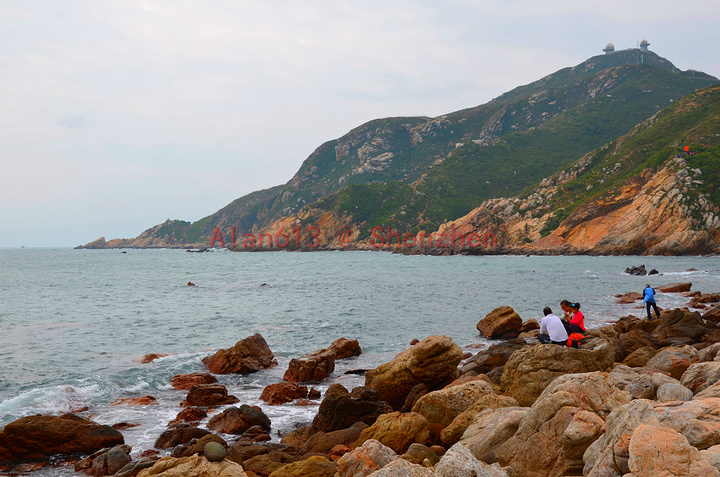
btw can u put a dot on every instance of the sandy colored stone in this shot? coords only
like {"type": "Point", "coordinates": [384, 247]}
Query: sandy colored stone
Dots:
{"type": "Point", "coordinates": [442, 406]}
{"type": "Point", "coordinates": [398, 430]}
{"type": "Point", "coordinates": [195, 466]}
{"type": "Point", "coordinates": [452, 433]}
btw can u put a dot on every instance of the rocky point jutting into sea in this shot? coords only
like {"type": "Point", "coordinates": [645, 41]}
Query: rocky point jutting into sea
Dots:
{"type": "Point", "coordinates": [615, 155]}
{"type": "Point", "coordinates": [639, 398]}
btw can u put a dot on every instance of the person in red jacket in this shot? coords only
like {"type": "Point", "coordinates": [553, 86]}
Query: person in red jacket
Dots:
{"type": "Point", "coordinates": [577, 317]}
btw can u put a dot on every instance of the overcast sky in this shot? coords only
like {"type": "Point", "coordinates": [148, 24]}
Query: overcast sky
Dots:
{"type": "Point", "coordinates": [116, 115]}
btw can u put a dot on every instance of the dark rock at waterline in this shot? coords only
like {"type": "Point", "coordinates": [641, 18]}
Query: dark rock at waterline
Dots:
{"type": "Point", "coordinates": [41, 436]}
{"type": "Point", "coordinates": [637, 271]}
{"type": "Point", "coordinates": [179, 434]}
{"type": "Point", "coordinates": [237, 420]}
{"type": "Point", "coordinates": [105, 461]}
{"type": "Point", "coordinates": [248, 355]}
{"type": "Point", "coordinates": [318, 365]}
{"type": "Point", "coordinates": [653, 272]}
{"type": "Point", "coordinates": [341, 409]}
{"type": "Point", "coordinates": [204, 395]}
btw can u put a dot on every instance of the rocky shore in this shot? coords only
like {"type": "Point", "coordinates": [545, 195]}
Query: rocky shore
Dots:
{"type": "Point", "coordinates": [639, 398]}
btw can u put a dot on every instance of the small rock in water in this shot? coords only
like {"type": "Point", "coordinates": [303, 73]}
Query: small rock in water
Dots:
{"type": "Point", "coordinates": [214, 452]}
{"type": "Point", "coordinates": [191, 284]}
{"type": "Point", "coordinates": [638, 271]}
{"type": "Point", "coordinates": [653, 272]}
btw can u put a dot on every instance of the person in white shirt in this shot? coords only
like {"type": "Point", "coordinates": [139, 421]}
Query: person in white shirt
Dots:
{"type": "Point", "coordinates": [552, 329]}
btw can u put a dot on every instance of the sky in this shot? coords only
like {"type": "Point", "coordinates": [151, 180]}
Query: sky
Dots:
{"type": "Point", "coordinates": [116, 115]}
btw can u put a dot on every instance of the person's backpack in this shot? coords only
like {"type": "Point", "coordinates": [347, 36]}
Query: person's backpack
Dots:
{"type": "Point", "coordinates": [574, 340]}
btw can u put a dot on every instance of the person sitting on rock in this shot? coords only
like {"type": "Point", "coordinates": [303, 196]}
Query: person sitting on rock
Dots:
{"type": "Point", "coordinates": [577, 320]}
{"type": "Point", "coordinates": [649, 300]}
{"type": "Point", "coordinates": [552, 329]}
{"type": "Point", "coordinates": [567, 321]}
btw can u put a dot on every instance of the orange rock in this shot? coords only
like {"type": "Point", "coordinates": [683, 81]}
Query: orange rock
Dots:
{"type": "Point", "coordinates": [152, 357]}
{"type": "Point", "coordinates": [138, 401]}
{"type": "Point", "coordinates": [186, 381]}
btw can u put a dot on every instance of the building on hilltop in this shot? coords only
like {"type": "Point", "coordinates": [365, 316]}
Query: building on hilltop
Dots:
{"type": "Point", "coordinates": [644, 45]}
{"type": "Point", "coordinates": [609, 48]}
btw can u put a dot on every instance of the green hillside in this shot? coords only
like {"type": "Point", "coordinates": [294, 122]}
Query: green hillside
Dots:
{"type": "Point", "coordinates": [418, 172]}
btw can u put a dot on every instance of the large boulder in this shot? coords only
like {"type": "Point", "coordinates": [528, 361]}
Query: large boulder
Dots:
{"type": "Point", "coordinates": [634, 340]}
{"type": "Point", "coordinates": [205, 395]}
{"type": "Point", "coordinates": [529, 370]}
{"type": "Point", "coordinates": [365, 459]}
{"type": "Point", "coordinates": [501, 323]}
{"type": "Point", "coordinates": [105, 461]}
{"type": "Point", "coordinates": [698, 421]}
{"type": "Point", "coordinates": [178, 434]}
{"type": "Point", "coordinates": [458, 461]}
{"type": "Point", "coordinates": [341, 409]}
{"type": "Point", "coordinates": [442, 406]}
{"type": "Point", "coordinates": [668, 357]}
{"type": "Point", "coordinates": [280, 393]}
{"type": "Point", "coordinates": [675, 287]}
{"type": "Point", "coordinates": [195, 466]}
{"type": "Point", "coordinates": [323, 442]}
{"type": "Point", "coordinates": [673, 392]}
{"type": "Point", "coordinates": [249, 355]}
{"type": "Point", "coordinates": [452, 433]}
{"type": "Point", "coordinates": [680, 323]}
{"type": "Point", "coordinates": [700, 376]}
{"type": "Point", "coordinates": [432, 362]}
{"type": "Point", "coordinates": [640, 357]}
{"type": "Point", "coordinates": [398, 430]}
{"type": "Point", "coordinates": [563, 422]}
{"type": "Point", "coordinates": [489, 359]}
{"type": "Point", "coordinates": [318, 365]}
{"type": "Point", "coordinates": [661, 452]}
{"type": "Point", "coordinates": [236, 420]}
{"type": "Point", "coordinates": [491, 429]}
{"type": "Point", "coordinates": [41, 436]}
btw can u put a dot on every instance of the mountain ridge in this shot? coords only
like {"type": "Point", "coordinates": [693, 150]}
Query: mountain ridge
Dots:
{"type": "Point", "coordinates": [391, 160]}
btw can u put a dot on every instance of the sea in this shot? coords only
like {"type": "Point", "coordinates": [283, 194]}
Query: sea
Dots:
{"type": "Point", "coordinates": [75, 324]}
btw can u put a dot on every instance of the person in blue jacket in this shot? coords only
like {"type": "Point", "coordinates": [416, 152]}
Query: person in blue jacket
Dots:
{"type": "Point", "coordinates": [649, 300]}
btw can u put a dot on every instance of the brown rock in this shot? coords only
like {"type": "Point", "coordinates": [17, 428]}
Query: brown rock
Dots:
{"type": "Point", "coordinates": [179, 434]}
{"type": "Point", "coordinates": [345, 348]}
{"type": "Point", "coordinates": [631, 297]}
{"type": "Point", "coordinates": [318, 365]}
{"type": "Point", "coordinates": [150, 357]}
{"type": "Point", "coordinates": [189, 414]}
{"type": "Point", "coordinates": [105, 461]}
{"type": "Point", "coordinates": [39, 436]}
{"type": "Point", "coordinates": [255, 434]}
{"type": "Point", "coordinates": [679, 323]}
{"type": "Point", "coordinates": [204, 395]}
{"type": "Point", "coordinates": [338, 451]}
{"type": "Point", "coordinates": [659, 451]}
{"type": "Point", "coordinates": [324, 442]}
{"type": "Point", "coordinates": [234, 420]}
{"type": "Point", "coordinates": [281, 393]}
{"type": "Point", "coordinates": [531, 369]}
{"type": "Point", "coordinates": [433, 362]}
{"type": "Point", "coordinates": [674, 288]}
{"type": "Point", "coordinates": [704, 298]}
{"type": "Point", "coordinates": [313, 394]}
{"type": "Point", "coordinates": [138, 401]}
{"type": "Point", "coordinates": [340, 409]}
{"type": "Point", "coordinates": [197, 446]}
{"type": "Point", "coordinates": [489, 359]}
{"type": "Point", "coordinates": [315, 466]}
{"type": "Point", "coordinates": [365, 459]}
{"type": "Point", "coordinates": [442, 406]}
{"type": "Point", "coordinates": [502, 322]}
{"type": "Point", "coordinates": [120, 426]}
{"type": "Point", "coordinates": [298, 437]}
{"type": "Point", "coordinates": [249, 355]}
{"type": "Point", "coordinates": [713, 314]}
{"type": "Point", "coordinates": [452, 433]}
{"type": "Point", "coordinates": [397, 431]}
{"type": "Point", "coordinates": [185, 381]}
{"type": "Point", "coordinates": [640, 357]}
{"type": "Point", "coordinates": [266, 464]}
{"type": "Point", "coordinates": [561, 425]}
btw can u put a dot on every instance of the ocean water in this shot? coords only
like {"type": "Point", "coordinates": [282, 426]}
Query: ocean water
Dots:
{"type": "Point", "coordinates": [75, 323]}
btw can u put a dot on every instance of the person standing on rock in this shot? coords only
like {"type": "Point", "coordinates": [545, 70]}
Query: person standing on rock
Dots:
{"type": "Point", "coordinates": [649, 300]}
{"type": "Point", "coordinates": [552, 329]}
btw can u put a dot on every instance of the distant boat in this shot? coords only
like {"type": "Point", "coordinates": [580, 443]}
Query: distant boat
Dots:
{"type": "Point", "coordinates": [22, 246]}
